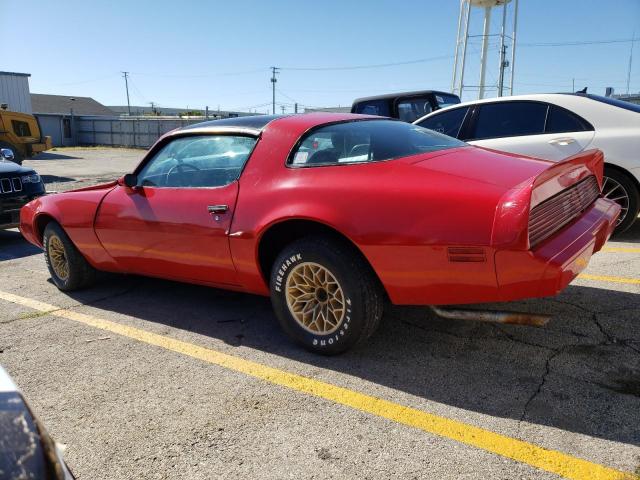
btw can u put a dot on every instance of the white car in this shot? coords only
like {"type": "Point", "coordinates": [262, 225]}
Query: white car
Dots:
{"type": "Point", "coordinates": [555, 126]}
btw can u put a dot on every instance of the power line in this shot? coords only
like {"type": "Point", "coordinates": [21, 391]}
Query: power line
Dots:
{"type": "Point", "coordinates": [375, 65]}
{"type": "Point", "coordinates": [203, 75]}
{"type": "Point", "coordinates": [584, 42]}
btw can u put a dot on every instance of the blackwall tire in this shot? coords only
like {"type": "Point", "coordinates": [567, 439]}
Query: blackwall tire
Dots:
{"type": "Point", "coordinates": [68, 268]}
{"type": "Point", "coordinates": [617, 184]}
{"type": "Point", "coordinates": [325, 295]}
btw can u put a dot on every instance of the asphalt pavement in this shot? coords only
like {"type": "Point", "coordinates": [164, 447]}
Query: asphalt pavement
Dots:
{"type": "Point", "coordinates": [149, 379]}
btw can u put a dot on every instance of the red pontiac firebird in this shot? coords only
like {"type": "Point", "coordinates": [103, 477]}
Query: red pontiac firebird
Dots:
{"type": "Point", "coordinates": [331, 215]}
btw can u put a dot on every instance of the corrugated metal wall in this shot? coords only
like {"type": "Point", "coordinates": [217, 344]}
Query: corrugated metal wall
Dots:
{"type": "Point", "coordinates": [14, 91]}
{"type": "Point", "coordinates": [127, 132]}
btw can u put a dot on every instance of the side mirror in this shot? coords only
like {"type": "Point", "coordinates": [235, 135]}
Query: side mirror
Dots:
{"type": "Point", "coordinates": [130, 180]}
{"type": "Point", "coordinates": [7, 154]}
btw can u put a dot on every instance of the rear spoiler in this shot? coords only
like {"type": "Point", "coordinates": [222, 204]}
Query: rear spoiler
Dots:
{"type": "Point", "coordinates": [567, 172]}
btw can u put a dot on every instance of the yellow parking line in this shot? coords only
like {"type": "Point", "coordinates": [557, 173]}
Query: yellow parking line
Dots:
{"type": "Point", "coordinates": [607, 278]}
{"type": "Point", "coordinates": [550, 460]}
{"type": "Point", "coordinates": [620, 250]}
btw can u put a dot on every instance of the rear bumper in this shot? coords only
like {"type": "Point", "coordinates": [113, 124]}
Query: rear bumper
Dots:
{"type": "Point", "coordinates": [549, 268]}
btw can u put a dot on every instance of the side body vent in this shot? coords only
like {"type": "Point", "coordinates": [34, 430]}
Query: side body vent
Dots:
{"type": "Point", "coordinates": [466, 254]}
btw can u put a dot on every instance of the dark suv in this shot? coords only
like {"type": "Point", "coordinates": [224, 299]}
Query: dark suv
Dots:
{"type": "Point", "coordinates": [406, 106]}
{"type": "Point", "coordinates": [18, 185]}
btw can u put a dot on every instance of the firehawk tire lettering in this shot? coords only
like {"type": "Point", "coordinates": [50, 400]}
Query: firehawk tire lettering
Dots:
{"type": "Point", "coordinates": [347, 272]}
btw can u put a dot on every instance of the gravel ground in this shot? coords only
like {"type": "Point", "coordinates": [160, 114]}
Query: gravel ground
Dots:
{"type": "Point", "coordinates": [126, 409]}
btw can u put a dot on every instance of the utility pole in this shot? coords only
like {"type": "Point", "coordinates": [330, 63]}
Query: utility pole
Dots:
{"type": "Point", "coordinates": [274, 70]}
{"type": "Point", "coordinates": [295, 110]}
{"type": "Point", "coordinates": [503, 51]}
{"type": "Point", "coordinates": [633, 40]}
{"type": "Point", "coordinates": [282, 107]}
{"type": "Point", "coordinates": [126, 85]}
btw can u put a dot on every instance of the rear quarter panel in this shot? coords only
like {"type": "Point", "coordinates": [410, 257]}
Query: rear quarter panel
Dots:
{"type": "Point", "coordinates": [400, 216]}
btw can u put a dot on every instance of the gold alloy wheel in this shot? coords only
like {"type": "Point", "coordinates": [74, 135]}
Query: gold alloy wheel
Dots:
{"type": "Point", "coordinates": [58, 257]}
{"type": "Point", "coordinates": [315, 298]}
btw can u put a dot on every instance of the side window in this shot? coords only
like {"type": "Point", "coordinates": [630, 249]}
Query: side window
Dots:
{"type": "Point", "coordinates": [197, 161]}
{"type": "Point", "coordinates": [21, 129]}
{"type": "Point", "coordinates": [373, 107]}
{"type": "Point", "coordinates": [409, 110]}
{"type": "Point", "coordinates": [447, 122]}
{"type": "Point", "coordinates": [560, 120]}
{"type": "Point", "coordinates": [509, 119]}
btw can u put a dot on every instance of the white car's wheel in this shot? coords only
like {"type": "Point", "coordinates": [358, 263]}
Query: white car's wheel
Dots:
{"type": "Point", "coordinates": [621, 189]}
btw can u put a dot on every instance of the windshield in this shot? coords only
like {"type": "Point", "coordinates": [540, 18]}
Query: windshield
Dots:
{"type": "Point", "coordinates": [367, 141]}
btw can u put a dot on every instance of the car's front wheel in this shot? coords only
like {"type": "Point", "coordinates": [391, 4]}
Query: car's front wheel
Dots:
{"type": "Point", "coordinates": [620, 188]}
{"type": "Point", "coordinates": [68, 268]}
{"type": "Point", "coordinates": [325, 295]}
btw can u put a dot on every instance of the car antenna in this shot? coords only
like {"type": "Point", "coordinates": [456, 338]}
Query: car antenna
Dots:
{"type": "Point", "coordinates": [584, 90]}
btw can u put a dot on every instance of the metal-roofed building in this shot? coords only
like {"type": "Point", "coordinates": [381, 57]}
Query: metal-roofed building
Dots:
{"type": "Point", "coordinates": [14, 92]}
{"type": "Point", "coordinates": [59, 115]}
{"type": "Point", "coordinates": [67, 105]}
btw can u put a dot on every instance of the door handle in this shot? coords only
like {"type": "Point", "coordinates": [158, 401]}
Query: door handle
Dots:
{"type": "Point", "coordinates": [217, 209]}
{"type": "Point", "coordinates": [562, 141]}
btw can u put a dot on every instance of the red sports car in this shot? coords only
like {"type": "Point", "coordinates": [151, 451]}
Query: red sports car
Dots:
{"type": "Point", "coordinates": [332, 215]}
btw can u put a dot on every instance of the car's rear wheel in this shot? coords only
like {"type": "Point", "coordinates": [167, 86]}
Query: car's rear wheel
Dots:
{"type": "Point", "coordinates": [620, 188]}
{"type": "Point", "coordinates": [68, 268]}
{"type": "Point", "coordinates": [325, 295]}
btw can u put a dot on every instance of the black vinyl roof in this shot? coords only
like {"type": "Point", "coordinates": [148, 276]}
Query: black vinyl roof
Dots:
{"type": "Point", "coordinates": [252, 121]}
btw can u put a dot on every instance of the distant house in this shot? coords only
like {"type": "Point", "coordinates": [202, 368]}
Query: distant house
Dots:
{"type": "Point", "coordinates": [56, 115]}
{"type": "Point", "coordinates": [65, 105]}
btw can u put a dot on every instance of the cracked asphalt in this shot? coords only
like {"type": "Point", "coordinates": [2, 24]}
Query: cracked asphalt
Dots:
{"type": "Point", "coordinates": [126, 409]}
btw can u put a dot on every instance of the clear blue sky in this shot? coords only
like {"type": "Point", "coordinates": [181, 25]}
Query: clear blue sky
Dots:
{"type": "Point", "coordinates": [218, 53]}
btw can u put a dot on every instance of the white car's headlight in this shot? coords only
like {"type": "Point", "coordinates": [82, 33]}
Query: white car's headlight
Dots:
{"type": "Point", "coordinates": [33, 178]}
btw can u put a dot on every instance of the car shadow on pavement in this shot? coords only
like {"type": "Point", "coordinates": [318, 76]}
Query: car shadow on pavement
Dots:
{"type": "Point", "coordinates": [56, 179]}
{"type": "Point", "coordinates": [631, 236]}
{"type": "Point", "coordinates": [51, 155]}
{"type": "Point", "coordinates": [580, 373]}
{"type": "Point", "coordinates": [13, 245]}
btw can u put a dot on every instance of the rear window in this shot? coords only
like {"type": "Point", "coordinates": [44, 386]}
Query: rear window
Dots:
{"type": "Point", "coordinates": [366, 141]}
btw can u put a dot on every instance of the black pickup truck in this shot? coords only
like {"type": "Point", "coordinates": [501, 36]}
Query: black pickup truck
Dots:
{"type": "Point", "coordinates": [406, 106]}
{"type": "Point", "coordinates": [18, 185]}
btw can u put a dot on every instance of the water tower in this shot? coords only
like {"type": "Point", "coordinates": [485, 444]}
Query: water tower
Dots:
{"type": "Point", "coordinates": [497, 40]}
